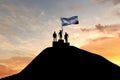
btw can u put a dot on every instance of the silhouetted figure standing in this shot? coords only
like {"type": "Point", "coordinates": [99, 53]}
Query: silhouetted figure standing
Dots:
{"type": "Point", "coordinates": [54, 36]}
{"type": "Point", "coordinates": [60, 34]}
{"type": "Point", "coordinates": [66, 37]}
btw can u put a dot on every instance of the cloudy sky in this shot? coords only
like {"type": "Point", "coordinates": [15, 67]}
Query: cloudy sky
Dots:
{"type": "Point", "coordinates": [26, 28]}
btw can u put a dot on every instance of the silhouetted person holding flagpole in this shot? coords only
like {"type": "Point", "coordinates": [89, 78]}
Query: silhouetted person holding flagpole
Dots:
{"type": "Point", "coordinates": [60, 34]}
{"type": "Point", "coordinates": [66, 37]}
{"type": "Point", "coordinates": [54, 36]}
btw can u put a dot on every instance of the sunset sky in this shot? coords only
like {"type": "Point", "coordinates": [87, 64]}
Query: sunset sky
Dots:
{"type": "Point", "coordinates": [26, 28]}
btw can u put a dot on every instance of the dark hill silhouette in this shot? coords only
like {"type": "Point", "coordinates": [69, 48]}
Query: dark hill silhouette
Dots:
{"type": "Point", "coordinates": [68, 63]}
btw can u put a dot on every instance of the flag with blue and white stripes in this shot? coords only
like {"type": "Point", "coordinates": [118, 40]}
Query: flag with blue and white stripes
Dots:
{"type": "Point", "coordinates": [69, 21]}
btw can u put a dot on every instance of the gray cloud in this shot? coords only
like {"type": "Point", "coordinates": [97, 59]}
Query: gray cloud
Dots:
{"type": "Point", "coordinates": [22, 21]}
{"type": "Point", "coordinates": [114, 6]}
{"type": "Point", "coordinates": [100, 1]}
{"type": "Point", "coordinates": [105, 30]}
{"type": "Point", "coordinates": [21, 28]}
{"type": "Point", "coordinates": [115, 28]}
{"type": "Point", "coordinates": [114, 2]}
{"type": "Point", "coordinates": [117, 12]}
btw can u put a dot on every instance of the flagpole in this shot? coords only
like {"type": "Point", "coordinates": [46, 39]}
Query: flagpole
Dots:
{"type": "Point", "coordinates": [62, 25]}
{"type": "Point", "coordinates": [62, 28]}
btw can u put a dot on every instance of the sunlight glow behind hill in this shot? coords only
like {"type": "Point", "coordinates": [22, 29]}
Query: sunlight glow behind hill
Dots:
{"type": "Point", "coordinates": [108, 48]}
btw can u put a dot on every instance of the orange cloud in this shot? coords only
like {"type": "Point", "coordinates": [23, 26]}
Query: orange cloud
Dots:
{"type": "Point", "coordinates": [6, 71]}
{"type": "Point", "coordinates": [106, 47]}
{"type": "Point", "coordinates": [13, 65]}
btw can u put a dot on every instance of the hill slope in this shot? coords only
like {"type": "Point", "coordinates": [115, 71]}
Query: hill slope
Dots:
{"type": "Point", "coordinates": [68, 63]}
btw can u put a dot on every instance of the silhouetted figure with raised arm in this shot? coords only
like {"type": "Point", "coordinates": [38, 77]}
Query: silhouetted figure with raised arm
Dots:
{"type": "Point", "coordinates": [60, 34]}
{"type": "Point", "coordinates": [66, 37]}
{"type": "Point", "coordinates": [54, 36]}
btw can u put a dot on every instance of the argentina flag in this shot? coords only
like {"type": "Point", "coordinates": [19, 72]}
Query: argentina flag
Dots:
{"type": "Point", "coordinates": [69, 21]}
